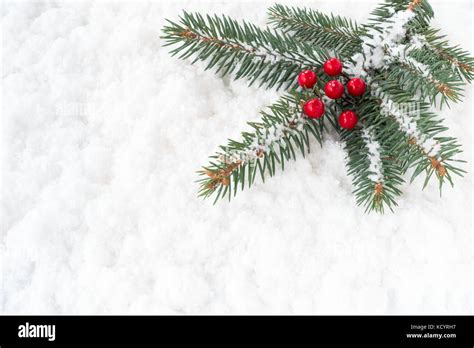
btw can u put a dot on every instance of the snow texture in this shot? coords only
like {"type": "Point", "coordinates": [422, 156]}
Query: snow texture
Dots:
{"type": "Point", "coordinates": [102, 132]}
{"type": "Point", "coordinates": [375, 161]}
{"type": "Point", "coordinates": [382, 46]}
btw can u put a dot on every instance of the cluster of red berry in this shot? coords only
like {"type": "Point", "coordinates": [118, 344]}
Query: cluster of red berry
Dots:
{"type": "Point", "coordinates": [334, 89]}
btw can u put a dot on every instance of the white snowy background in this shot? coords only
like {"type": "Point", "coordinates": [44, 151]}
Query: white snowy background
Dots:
{"type": "Point", "coordinates": [102, 132]}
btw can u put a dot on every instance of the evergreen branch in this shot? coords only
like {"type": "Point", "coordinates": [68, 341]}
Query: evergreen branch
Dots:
{"type": "Point", "coordinates": [441, 166]}
{"type": "Point", "coordinates": [424, 83]}
{"type": "Point", "coordinates": [398, 55]}
{"type": "Point", "coordinates": [421, 8]}
{"type": "Point", "coordinates": [419, 143]}
{"type": "Point", "coordinates": [437, 51]}
{"type": "Point", "coordinates": [372, 191]}
{"type": "Point", "coordinates": [330, 32]}
{"type": "Point", "coordinates": [427, 81]}
{"type": "Point", "coordinates": [283, 131]}
{"type": "Point", "coordinates": [454, 57]}
{"type": "Point", "coordinates": [432, 63]}
{"type": "Point", "coordinates": [376, 174]}
{"type": "Point", "coordinates": [242, 49]}
{"type": "Point", "coordinates": [407, 141]}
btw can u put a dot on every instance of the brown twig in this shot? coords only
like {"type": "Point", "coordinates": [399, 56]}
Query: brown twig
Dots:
{"type": "Point", "coordinates": [438, 166]}
{"type": "Point", "coordinates": [189, 34]}
{"type": "Point", "coordinates": [435, 163]}
{"type": "Point", "coordinates": [442, 87]}
{"type": "Point", "coordinates": [221, 176]}
{"type": "Point", "coordinates": [444, 55]}
{"type": "Point", "coordinates": [464, 66]}
{"type": "Point", "coordinates": [378, 192]}
{"type": "Point", "coordinates": [413, 4]}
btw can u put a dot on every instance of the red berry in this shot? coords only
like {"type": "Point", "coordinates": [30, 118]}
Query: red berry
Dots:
{"type": "Point", "coordinates": [356, 87]}
{"type": "Point", "coordinates": [314, 108]}
{"type": "Point", "coordinates": [348, 119]}
{"type": "Point", "coordinates": [334, 89]}
{"type": "Point", "coordinates": [333, 67]}
{"type": "Point", "coordinates": [307, 78]}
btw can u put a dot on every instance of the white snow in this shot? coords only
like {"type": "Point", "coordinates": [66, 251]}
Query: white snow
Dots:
{"type": "Point", "coordinates": [102, 132]}
{"type": "Point", "coordinates": [418, 41]}
{"type": "Point", "coordinates": [375, 161]}
{"type": "Point", "coordinates": [382, 46]}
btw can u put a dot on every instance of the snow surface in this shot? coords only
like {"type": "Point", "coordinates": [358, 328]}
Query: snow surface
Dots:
{"type": "Point", "coordinates": [102, 132]}
{"type": "Point", "coordinates": [373, 147]}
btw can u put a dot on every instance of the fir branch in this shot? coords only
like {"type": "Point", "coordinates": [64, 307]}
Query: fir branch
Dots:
{"type": "Point", "coordinates": [454, 57]}
{"type": "Point", "coordinates": [419, 143]}
{"type": "Point", "coordinates": [424, 83]}
{"type": "Point", "coordinates": [332, 32]}
{"type": "Point", "coordinates": [242, 49]}
{"type": "Point", "coordinates": [283, 131]}
{"type": "Point", "coordinates": [374, 195]}
{"type": "Point", "coordinates": [399, 56]}
{"type": "Point", "coordinates": [376, 174]}
{"type": "Point", "coordinates": [418, 52]}
{"type": "Point", "coordinates": [421, 8]}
